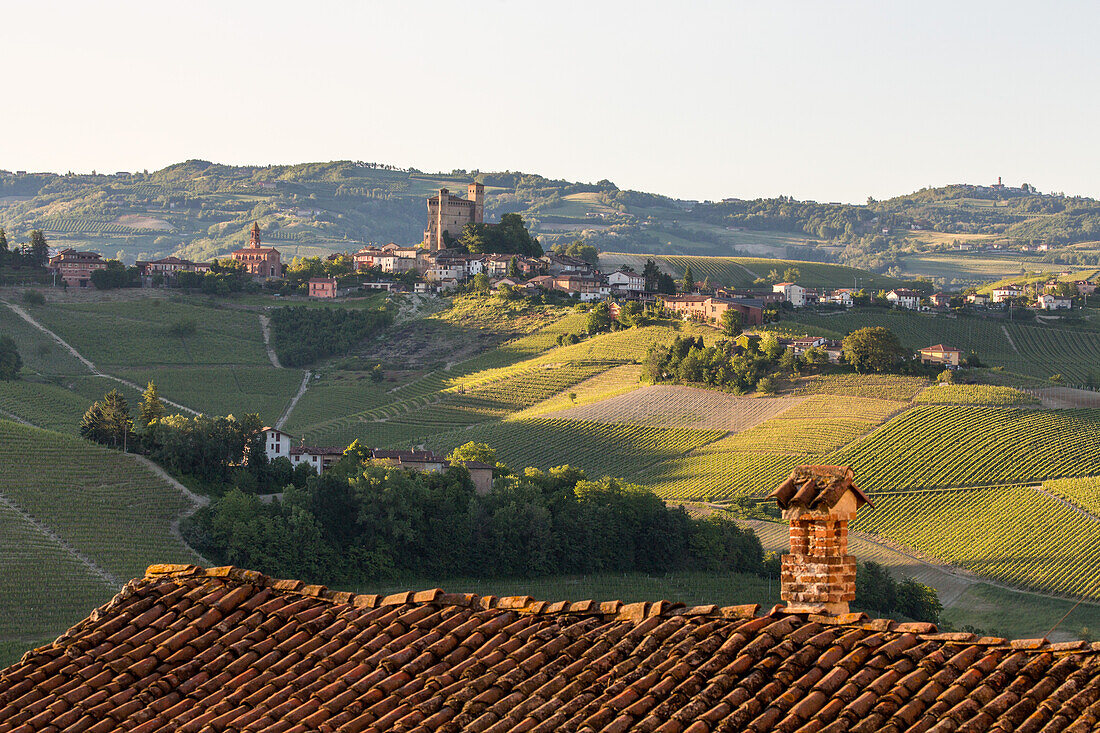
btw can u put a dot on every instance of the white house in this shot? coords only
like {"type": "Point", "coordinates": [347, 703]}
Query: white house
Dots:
{"type": "Point", "coordinates": [278, 444]}
{"type": "Point", "coordinates": [626, 280]}
{"type": "Point", "coordinates": [793, 294]}
{"type": "Point", "coordinates": [1006, 293]}
{"type": "Point", "coordinates": [1049, 302]}
{"type": "Point", "coordinates": [840, 297]}
{"type": "Point", "coordinates": [903, 298]}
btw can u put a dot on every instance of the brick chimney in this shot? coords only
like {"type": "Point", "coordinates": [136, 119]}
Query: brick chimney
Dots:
{"type": "Point", "coordinates": [819, 575]}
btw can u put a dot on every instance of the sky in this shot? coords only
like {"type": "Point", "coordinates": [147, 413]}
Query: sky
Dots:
{"type": "Point", "coordinates": [829, 101]}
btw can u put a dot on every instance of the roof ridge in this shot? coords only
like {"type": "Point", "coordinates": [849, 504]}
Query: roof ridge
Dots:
{"type": "Point", "coordinates": [614, 609]}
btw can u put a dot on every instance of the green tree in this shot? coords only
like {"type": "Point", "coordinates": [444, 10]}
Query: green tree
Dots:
{"type": "Point", "coordinates": [473, 451]}
{"type": "Point", "coordinates": [10, 361]}
{"type": "Point", "coordinates": [513, 269]}
{"type": "Point", "coordinates": [481, 283]}
{"type": "Point", "coordinates": [874, 349]}
{"type": "Point", "coordinates": [152, 408]}
{"type": "Point", "coordinates": [117, 423]}
{"type": "Point", "coordinates": [791, 274]}
{"type": "Point", "coordinates": [688, 283]}
{"type": "Point", "coordinates": [40, 250]}
{"type": "Point", "coordinates": [5, 254]}
{"type": "Point", "coordinates": [731, 322]}
{"type": "Point", "coordinates": [651, 273]}
{"type": "Point", "coordinates": [599, 319]}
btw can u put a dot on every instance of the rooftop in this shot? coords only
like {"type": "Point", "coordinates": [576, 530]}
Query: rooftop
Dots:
{"type": "Point", "coordinates": [193, 649]}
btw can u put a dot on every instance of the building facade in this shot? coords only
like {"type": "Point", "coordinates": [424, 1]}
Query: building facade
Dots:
{"type": "Point", "coordinates": [449, 213]}
{"type": "Point", "coordinates": [76, 268]}
{"type": "Point", "coordinates": [257, 260]}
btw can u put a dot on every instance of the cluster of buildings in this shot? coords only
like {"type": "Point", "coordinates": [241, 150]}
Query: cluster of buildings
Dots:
{"type": "Point", "coordinates": [1051, 295]}
{"type": "Point", "coordinates": [280, 444]}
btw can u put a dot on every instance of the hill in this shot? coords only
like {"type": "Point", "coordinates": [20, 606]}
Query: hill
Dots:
{"type": "Point", "coordinates": [76, 522]}
{"type": "Point", "coordinates": [200, 209]}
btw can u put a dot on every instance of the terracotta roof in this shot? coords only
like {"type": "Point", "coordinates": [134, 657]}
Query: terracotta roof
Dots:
{"type": "Point", "coordinates": [406, 456]}
{"type": "Point", "coordinates": [817, 488]}
{"type": "Point", "coordinates": [297, 450]}
{"type": "Point", "coordinates": [187, 649]}
{"type": "Point", "coordinates": [940, 347]}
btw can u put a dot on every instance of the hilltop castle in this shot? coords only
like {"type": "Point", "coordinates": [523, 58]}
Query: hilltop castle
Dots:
{"type": "Point", "coordinates": [449, 213]}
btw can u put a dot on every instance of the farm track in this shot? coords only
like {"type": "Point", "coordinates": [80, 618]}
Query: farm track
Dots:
{"type": "Point", "coordinates": [1009, 337]}
{"type": "Point", "coordinates": [265, 328]}
{"type": "Point", "coordinates": [197, 501]}
{"type": "Point", "coordinates": [108, 579]}
{"type": "Point", "coordinates": [294, 400]}
{"type": "Point", "coordinates": [16, 418]}
{"type": "Point", "coordinates": [86, 362]}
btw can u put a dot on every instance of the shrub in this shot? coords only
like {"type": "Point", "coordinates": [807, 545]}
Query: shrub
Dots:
{"type": "Point", "coordinates": [33, 297]}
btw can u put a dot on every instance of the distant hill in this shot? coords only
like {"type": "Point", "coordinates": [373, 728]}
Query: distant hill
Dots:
{"type": "Point", "coordinates": [200, 209]}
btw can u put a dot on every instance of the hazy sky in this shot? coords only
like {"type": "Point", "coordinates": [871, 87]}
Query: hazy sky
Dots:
{"type": "Point", "coordinates": [824, 100]}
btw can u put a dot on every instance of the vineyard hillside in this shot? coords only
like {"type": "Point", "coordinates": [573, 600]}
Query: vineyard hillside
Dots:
{"type": "Point", "coordinates": [76, 522]}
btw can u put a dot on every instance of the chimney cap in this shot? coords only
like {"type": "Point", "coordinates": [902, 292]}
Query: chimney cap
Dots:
{"type": "Point", "coordinates": [817, 489]}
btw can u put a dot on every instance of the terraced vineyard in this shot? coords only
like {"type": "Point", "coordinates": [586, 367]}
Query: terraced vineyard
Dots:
{"type": "Point", "coordinates": [952, 446]}
{"type": "Point", "coordinates": [682, 406]}
{"type": "Point", "coordinates": [599, 448]}
{"type": "Point", "coordinates": [611, 383]}
{"type": "Point", "coordinates": [1013, 534]}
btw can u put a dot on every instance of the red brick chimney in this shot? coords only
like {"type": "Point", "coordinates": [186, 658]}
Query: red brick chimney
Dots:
{"type": "Point", "coordinates": [819, 575]}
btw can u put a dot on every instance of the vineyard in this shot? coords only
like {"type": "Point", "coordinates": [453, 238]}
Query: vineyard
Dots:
{"type": "Point", "coordinates": [599, 448]}
{"type": "Point", "coordinates": [611, 383]}
{"type": "Point", "coordinates": [682, 406]}
{"type": "Point", "coordinates": [876, 386]}
{"type": "Point", "coordinates": [1027, 350]}
{"type": "Point", "coordinates": [952, 446]}
{"type": "Point", "coordinates": [45, 405]}
{"type": "Point", "coordinates": [89, 226]}
{"type": "Point", "coordinates": [221, 390]}
{"type": "Point", "coordinates": [975, 394]}
{"type": "Point", "coordinates": [102, 503]}
{"type": "Point", "coordinates": [1013, 534]}
{"type": "Point", "coordinates": [817, 425]}
{"type": "Point", "coordinates": [740, 272]}
{"type": "Point", "coordinates": [1084, 492]}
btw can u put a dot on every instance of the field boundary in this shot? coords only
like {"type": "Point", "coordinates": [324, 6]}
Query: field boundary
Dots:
{"type": "Point", "coordinates": [86, 362]}
{"type": "Point", "coordinates": [294, 400]}
{"type": "Point", "coordinates": [265, 329]}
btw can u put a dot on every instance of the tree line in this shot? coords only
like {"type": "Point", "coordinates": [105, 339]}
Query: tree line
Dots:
{"type": "Point", "coordinates": [301, 335]}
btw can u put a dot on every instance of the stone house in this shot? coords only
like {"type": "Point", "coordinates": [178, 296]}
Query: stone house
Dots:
{"type": "Point", "coordinates": [76, 268]}
{"type": "Point", "coordinates": [940, 354]}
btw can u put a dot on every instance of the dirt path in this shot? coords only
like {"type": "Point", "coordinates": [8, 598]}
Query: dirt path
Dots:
{"type": "Point", "coordinates": [294, 400]}
{"type": "Point", "coordinates": [1010, 341]}
{"type": "Point", "coordinates": [265, 327]}
{"type": "Point", "coordinates": [197, 501]}
{"type": "Point", "coordinates": [108, 579]}
{"type": "Point", "coordinates": [86, 362]}
{"type": "Point", "coordinates": [1066, 397]}
{"type": "Point", "coordinates": [16, 418]}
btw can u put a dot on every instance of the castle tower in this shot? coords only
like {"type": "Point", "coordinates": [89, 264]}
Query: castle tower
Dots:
{"type": "Point", "coordinates": [476, 192]}
{"type": "Point", "coordinates": [254, 241]}
{"type": "Point", "coordinates": [819, 501]}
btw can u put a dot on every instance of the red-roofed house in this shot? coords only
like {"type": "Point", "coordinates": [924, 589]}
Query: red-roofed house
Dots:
{"type": "Point", "coordinates": [322, 287]}
{"type": "Point", "coordinates": [76, 268]}
{"type": "Point", "coordinates": [940, 354]}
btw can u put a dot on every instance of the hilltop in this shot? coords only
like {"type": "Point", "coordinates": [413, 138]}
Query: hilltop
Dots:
{"type": "Point", "coordinates": [199, 209]}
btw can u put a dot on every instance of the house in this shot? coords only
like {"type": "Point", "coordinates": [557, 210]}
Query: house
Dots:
{"type": "Point", "coordinates": [427, 461]}
{"type": "Point", "coordinates": [169, 267]}
{"type": "Point", "coordinates": [365, 258]}
{"type": "Point", "coordinates": [1084, 287]}
{"type": "Point", "coordinates": [278, 443]}
{"type": "Point", "coordinates": [563, 264]}
{"type": "Point", "coordinates": [1050, 302]}
{"type": "Point", "coordinates": [586, 287]}
{"type": "Point", "coordinates": [76, 268]}
{"type": "Point", "coordinates": [903, 298]}
{"type": "Point", "coordinates": [186, 648]}
{"type": "Point", "coordinates": [1006, 293]}
{"type": "Point", "coordinates": [940, 354]}
{"type": "Point", "coordinates": [709, 309]}
{"type": "Point", "coordinates": [940, 300]}
{"type": "Point", "coordinates": [257, 260]}
{"type": "Point", "coordinates": [801, 345]}
{"type": "Point", "coordinates": [978, 299]}
{"type": "Point", "coordinates": [322, 287]}
{"type": "Point", "coordinates": [792, 293]}
{"type": "Point", "coordinates": [841, 297]}
{"type": "Point", "coordinates": [626, 280]}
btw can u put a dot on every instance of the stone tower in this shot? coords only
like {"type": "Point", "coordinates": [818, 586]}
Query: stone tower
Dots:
{"type": "Point", "coordinates": [819, 575]}
{"type": "Point", "coordinates": [476, 192]}
{"type": "Point", "coordinates": [449, 213]}
{"type": "Point", "coordinates": [254, 240]}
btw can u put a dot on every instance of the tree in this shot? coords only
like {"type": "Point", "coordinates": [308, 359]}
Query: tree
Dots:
{"type": "Point", "coordinates": [10, 361]}
{"type": "Point", "coordinates": [481, 283]}
{"type": "Point", "coordinates": [688, 283]}
{"type": "Point", "coordinates": [791, 274]}
{"type": "Point", "coordinates": [731, 322]}
{"type": "Point", "coordinates": [513, 269]}
{"type": "Point", "coordinates": [117, 424]}
{"type": "Point", "coordinates": [599, 319]}
{"type": "Point", "coordinates": [4, 252]}
{"type": "Point", "coordinates": [152, 408]}
{"type": "Point", "coordinates": [474, 452]}
{"type": "Point", "coordinates": [651, 273]}
{"type": "Point", "coordinates": [874, 348]}
{"type": "Point", "coordinates": [40, 250]}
